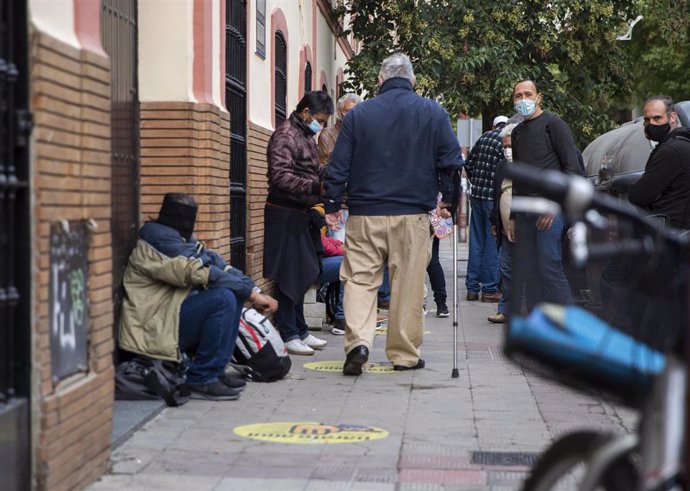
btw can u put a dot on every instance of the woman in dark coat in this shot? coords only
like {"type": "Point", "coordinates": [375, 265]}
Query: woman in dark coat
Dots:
{"type": "Point", "coordinates": [291, 239]}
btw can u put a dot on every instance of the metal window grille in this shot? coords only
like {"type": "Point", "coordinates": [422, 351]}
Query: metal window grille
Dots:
{"type": "Point", "coordinates": [307, 78]}
{"type": "Point", "coordinates": [15, 250]}
{"type": "Point", "coordinates": [261, 28]}
{"type": "Point", "coordinates": [280, 78]}
{"type": "Point", "coordinates": [15, 124]}
{"type": "Point", "coordinates": [236, 102]}
{"type": "Point", "coordinates": [119, 37]}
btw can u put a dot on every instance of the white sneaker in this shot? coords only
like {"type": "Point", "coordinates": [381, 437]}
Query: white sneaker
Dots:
{"type": "Point", "coordinates": [297, 347]}
{"type": "Point", "coordinates": [315, 343]}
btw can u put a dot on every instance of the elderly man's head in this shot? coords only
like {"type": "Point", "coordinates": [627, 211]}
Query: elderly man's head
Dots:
{"type": "Point", "coordinates": [397, 65]}
{"type": "Point", "coordinates": [507, 141]}
{"type": "Point", "coordinates": [345, 103]}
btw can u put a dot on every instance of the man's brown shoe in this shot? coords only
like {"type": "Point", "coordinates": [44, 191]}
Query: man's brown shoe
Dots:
{"type": "Point", "coordinates": [499, 318]}
{"type": "Point", "coordinates": [491, 297]}
{"type": "Point", "coordinates": [472, 297]}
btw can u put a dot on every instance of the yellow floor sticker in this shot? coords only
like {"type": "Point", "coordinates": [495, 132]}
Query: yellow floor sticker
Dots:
{"type": "Point", "coordinates": [337, 366]}
{"type": "Point", "coordinates": [310, 432]}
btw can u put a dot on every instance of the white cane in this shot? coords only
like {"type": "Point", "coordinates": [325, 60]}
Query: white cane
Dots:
{"type": "Point", "coordinates": [455, 373]}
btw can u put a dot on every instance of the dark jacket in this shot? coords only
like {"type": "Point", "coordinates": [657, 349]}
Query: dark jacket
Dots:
{"type": "Point", "coordinates": [294, 173]}
{"type": "Point", "coordinates": [169, 242]}
{"type": "Point", "coordinates": [393, 155]}
{"type": "Point", "coordinates": [664, 188]}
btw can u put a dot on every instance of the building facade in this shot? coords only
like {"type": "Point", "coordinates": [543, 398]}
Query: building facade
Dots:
{"type": "Point", "coordinates": [106, 106]}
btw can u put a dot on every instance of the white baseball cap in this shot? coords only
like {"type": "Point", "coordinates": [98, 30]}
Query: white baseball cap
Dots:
{"type": "Point", "coordinates": [499, 119]}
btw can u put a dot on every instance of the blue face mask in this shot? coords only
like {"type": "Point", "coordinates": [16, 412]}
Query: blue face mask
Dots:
{"type": "Point", "coordinates": [526, 107]}
{"type": "Point", "coordinates": [315, 126]}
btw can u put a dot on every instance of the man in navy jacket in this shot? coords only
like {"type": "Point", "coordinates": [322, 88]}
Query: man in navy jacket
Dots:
{"type": "Point", "coordinates": [393, 156]}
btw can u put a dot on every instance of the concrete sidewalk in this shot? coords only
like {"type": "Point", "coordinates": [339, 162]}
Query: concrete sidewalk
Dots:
{"type": "Point", "coordinates": [480, 431]}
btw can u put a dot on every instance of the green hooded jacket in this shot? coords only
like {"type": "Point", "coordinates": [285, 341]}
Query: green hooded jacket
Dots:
{"type": "Point", "coordinates": [155, 287]}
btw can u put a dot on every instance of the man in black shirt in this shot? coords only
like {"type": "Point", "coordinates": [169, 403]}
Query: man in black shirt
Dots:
{"type": "Point", "coordinates": [542, 141]}
{"type": "Point", "coordinates": [664, 188]}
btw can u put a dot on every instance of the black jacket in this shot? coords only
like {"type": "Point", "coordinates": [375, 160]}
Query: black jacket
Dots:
{"type": "Point", "coordinates": [664, 188]}
{"type": "Point", "coordinates": [545, 142]}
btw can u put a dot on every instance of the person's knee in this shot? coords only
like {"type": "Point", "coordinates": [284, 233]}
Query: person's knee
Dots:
{"type": "Point", "coordinates": [226, 301]}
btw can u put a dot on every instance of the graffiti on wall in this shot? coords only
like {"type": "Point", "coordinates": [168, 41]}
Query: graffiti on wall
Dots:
{"type": "Point", "coordinates": [69, 313]}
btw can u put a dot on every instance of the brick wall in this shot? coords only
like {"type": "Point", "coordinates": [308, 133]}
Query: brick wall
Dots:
{"type": "Point", "coordinates": [185, 148]}
{"type": "Point", "coordinates": [70, 99]}
{"type": "Point", "coordinates": [257, 167]}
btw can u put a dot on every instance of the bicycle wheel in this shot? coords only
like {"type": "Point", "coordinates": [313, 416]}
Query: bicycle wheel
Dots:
{"type": "Point", "coordinates": [332, 296]}
{"type": "Point", "coordinates": [563, 465]}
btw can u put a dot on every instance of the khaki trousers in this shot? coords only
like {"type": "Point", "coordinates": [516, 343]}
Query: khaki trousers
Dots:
{"type": "Point", "coordinates": [404, 242]}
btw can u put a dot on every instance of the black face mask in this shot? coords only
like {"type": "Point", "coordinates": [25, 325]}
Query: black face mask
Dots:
{"type": "Point", "coordinates": [657, 132]}
{"type": "Point", "coordinates": [179, 216]}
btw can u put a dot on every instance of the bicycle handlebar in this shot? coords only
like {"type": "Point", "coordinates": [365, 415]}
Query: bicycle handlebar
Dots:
{"type": "Point", "coordinates": [576, 195]}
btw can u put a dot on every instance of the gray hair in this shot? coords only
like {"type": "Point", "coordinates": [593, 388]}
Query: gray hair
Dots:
{"type": "Point", "coordinates": [507, 130]}
{"type": "Point", "coordinates": [348, 97]}
{"type": "Point", "coordinates": [397, 65]}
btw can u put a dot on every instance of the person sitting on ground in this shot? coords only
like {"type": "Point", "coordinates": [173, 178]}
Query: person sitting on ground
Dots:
{"type": "Point", "coordinates": [181, 298]}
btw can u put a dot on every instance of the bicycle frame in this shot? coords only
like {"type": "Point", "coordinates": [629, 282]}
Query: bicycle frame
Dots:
{"type": "Point", "coordinates": [662, 429]}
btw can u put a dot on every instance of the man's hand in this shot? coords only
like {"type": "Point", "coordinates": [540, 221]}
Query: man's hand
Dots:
{"type": "Point", "coordinates": [493, 230]}
{"type": "Point", "coordinates": [333, 220]}
{"type": "Point", "coordinates": [443, 210]}
{"type": "Point", "coordinates": [263, 303]}
{"type": "Point", "coordinates": [510, 230]}
{"type": "Point", "coordinates": [544, 222]}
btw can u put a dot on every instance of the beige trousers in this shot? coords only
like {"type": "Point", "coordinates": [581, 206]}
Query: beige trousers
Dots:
{"type": "Point", "coordinates": [404, 242]}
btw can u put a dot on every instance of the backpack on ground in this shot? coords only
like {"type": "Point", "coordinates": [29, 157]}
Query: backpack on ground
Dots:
{"type": "Point", "coordinates": [144, 378]}
{"type": "Point", "coordinates": [259, 350]}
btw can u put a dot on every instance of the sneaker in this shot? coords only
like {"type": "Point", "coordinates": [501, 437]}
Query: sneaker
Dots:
{"type": "Point", "coordinates": [491, 297]}
{"type": "Point", "coordinates": [216, 391]}
{"type": "Point", "coordinates": [233, 382]}
{"type": "Point", "coordinates": [472, 297]}
{"type": "Point", "coordinates": [338, 327]}
{"type": "Point", "coordinates": [315, 343]}
{"type": "Point", "coordinates": [442, 310]}
{"type": "Point", "coordinates": [297, 347]}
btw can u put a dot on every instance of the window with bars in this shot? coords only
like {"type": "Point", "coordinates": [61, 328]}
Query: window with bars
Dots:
{"type": "Point", "coordinates": [236, 102]}
{"type": "Point", "coordinates": [119, 36]}
{"type": "Point", "coordinates": [280, 78]}
{"type": "Point", "coordinates": [15, 124]}
{"type": "Point", "coordinates": [307, 78]}
{"type": "Point", "coordinates": [261, 28]}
